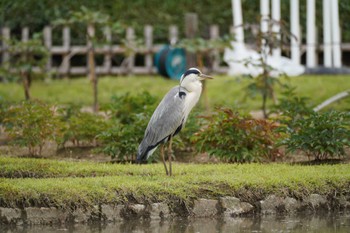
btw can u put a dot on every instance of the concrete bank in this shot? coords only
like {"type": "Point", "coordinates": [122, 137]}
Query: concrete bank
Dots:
{"type": "Point", "coordinates": [227, 207]}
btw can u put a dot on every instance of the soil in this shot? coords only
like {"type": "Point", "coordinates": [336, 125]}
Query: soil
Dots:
{"type": "Point", "coordinates": [86, 152]}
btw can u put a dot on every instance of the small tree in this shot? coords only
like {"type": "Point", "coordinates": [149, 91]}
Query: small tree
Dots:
{"type": "Point", "coordinates": [90, 19]}
{"type": "Point", "coordinates": [25, 55]}
{"type": "Point", "coordinates": [32, 124]}
{"type": "Point", "coordinates": [264, 83]}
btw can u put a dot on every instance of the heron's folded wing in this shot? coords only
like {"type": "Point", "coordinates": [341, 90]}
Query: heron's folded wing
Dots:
{"type": "Point", "coordinates": [167, 117]}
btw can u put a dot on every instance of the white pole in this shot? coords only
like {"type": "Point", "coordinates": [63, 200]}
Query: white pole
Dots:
{"type": "Point", "coordinates": [335, 34]}
{"type": "Point", "coordinates": [311, 34]}
{"type": "Point", "coordinates": [264, 24]}
{"type": "Point", "coordinates": [276, 16]}
{"type": "Point", "coordinates": [327, 48]}
{"type": "Point", "coordinates": [295, 31]}
{"type": "Point", "coordinates": [238, 20]}
{"type": "Point", "coordinates": [264, 11]}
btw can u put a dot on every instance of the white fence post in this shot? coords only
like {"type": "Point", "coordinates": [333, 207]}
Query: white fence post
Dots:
{"type": "Point", "coordinates": [276, 16]}
{"type": "Point", "coordinates": [264, 12]}
{"type": "Point", "coordinates": [5, 33]}
{"type": "Point", "coordinates": [295, 31]}
{"type": "Point", "coordinates": [327, 40]}
{"type": "Point", "coordinates": [25, 34]}
{"type": "Point", "coordinates": [48, 45]}
{"type": "Point", "coordinates": [215, 34]}
{"type": "Point", "coordinates": [130, 37]}
{"type": "Point", "coordinates": [107, 62]}
{"type": "Point", "coordinates": [238, 20]}
{"type": "Point", "coordinates": [173, 34]}
{"type": "Point", "coordinates": [148, 34]}
{"type": "Point", "coordinates": [310, 34]}
{"type": "Point", "coordinates": [335, 34]}
{"type": "Point", "coordinates": [66, 48]}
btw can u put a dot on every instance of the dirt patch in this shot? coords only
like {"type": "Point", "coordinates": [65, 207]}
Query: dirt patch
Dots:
{"type": "Point", "coordinates": [86, 152]}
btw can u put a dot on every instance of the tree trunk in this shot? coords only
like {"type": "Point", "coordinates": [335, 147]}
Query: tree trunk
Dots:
{"type": "Point", "coordinates": [26, 83]}
{"type": "Point", "coordinates": [92, 67]}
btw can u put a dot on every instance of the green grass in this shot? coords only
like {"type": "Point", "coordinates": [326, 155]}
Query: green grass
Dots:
{"type": "Point", "coordinates": [62, 183]}
{"type": "Point", "coordinates": [222, 90]}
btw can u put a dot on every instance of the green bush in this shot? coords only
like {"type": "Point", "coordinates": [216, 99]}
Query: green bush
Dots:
{"type": "Point", "coordinates": [292, 107]}
{"type": "Point", "coordinates": [235, 138]}
{"type": "Point", "coordinates": [3, 109]}
{"type": "Point", "coordinates": [130, 116]}
{"type": "Point", "coordinates": [84, 127]}
{"type": "Point", "coordinates": [31, 124]}
{"type": "Point", "coordinates": [126, 107]}
{"type": "Point", "coordinates": [319, 135]}
{"type": "Point", "coordinates": [121, 141]}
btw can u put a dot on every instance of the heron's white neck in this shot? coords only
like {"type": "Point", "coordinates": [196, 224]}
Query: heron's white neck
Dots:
{"type": "Point", "coordinates": [194, 89]}
{"type": "Point", "coordinates": [193, 86]}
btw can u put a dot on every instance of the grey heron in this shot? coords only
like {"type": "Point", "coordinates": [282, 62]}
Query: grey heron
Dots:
{"type": "Point", "coordinates": [170, 116]}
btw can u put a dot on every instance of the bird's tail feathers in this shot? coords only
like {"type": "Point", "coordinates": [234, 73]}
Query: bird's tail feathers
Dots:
{"type": "Point", "coordinates": [144, 152]}
{"type": "Point", "coordinates": [141, 155]}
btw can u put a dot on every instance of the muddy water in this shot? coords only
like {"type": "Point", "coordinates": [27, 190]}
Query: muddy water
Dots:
{"type": "Point", "coordinates": [339, 223]}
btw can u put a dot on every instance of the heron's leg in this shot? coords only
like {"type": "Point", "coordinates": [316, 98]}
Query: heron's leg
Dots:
{"type": "Point", "coordinates": [169, 155]}
{"type": "Point", "coordinates": [163, 159]}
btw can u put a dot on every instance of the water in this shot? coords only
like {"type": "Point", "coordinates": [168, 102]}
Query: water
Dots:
{"type": "Point", "coordinates": [339, 223]}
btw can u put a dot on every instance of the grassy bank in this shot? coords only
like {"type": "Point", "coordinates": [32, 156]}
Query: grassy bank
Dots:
{"type": "Point", "coordinates": [222, 90]}
{"type": "Point", "coordinates": [83, 184]}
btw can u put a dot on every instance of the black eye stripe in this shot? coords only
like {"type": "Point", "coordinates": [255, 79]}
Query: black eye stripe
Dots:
{"type": "Point", "coordinates": [188, 72]}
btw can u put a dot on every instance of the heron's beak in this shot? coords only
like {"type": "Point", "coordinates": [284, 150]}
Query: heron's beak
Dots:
{"type": "Point", "coordinates": [204, 76]}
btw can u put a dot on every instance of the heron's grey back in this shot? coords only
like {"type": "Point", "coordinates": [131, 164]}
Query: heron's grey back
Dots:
{"type": "Point", "coordinates": [166, 119]}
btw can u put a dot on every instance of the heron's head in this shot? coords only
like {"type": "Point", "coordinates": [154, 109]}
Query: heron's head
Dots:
{"type": "Point", "coordinates": [192, 75]}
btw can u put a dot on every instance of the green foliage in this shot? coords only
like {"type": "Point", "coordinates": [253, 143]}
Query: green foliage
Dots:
{"type": "Point", "coordinates": [3, 109]}
{"type": "Point", "coordinates": [235, 138]}
{"type": "Point", "coordinates": [293, 106]}
{"type": "Point", "coordinates": [32, 124]}
{"type": "Point", "coordinates": [84, 127]}
{"type": "Point", "coordinates": [130, 115]}
{"type": "Point", "coordinates": [122, 140]}
{"type": "Point", "coordinates": [204, 46]}
{"type": "Point", "coordinates": [126, 107]}
{"type": "Point", "coordinates": [319, 135]}
{"type": "Point", "coordinates": [24, 56]}
{"type": "Point", "coordinates": [160, 14]}
{"type": "Point", "coordinates": [87, 17]}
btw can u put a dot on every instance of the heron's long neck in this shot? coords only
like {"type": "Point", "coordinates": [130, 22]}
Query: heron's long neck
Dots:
{"type": "Point", "coordinates": [195, 87]}
{"type": "Point", "coordinates": [194, 92]}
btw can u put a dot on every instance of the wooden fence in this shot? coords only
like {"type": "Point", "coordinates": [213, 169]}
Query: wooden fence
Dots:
{"type": "Point", "coordinates": [67, 51]}
{"type": "Point", "coordinates": [147, 51]}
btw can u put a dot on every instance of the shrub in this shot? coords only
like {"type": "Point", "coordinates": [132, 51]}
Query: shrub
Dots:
{"type": "Point", "coordinates": [31, 124]}
{"type": "Point", "coordinates": [235, 138]}
{"type": "Point", "coordinates": [320, 135]}
{"type": "Point", "coordinates": [292, 107]}
{"type": "Point", "coordinates": [84, 127]}
{"type": "Point", "coordinates": [126, 107]}
{"type": "Point", "coordinates": [121, 141]}
{"type": "Point", "coordinates": [130, 115]}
